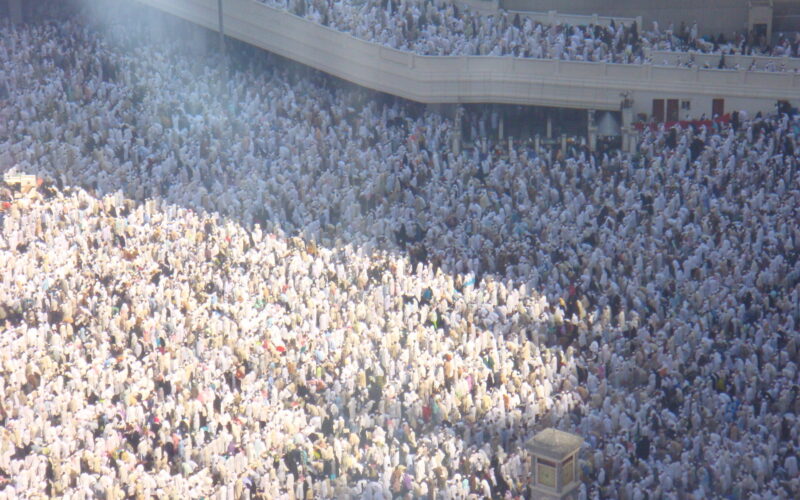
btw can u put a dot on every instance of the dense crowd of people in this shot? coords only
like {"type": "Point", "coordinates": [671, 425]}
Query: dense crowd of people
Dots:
{"type": "Point", "coordinates": [255, 282]}
{"type": "Point", "coordinates": [442, 27]}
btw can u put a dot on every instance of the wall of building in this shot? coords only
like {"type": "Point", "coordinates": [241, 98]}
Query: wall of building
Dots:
{"type": "Point", "coordinates": [786, 15]}
{"type": "Point", "coordinates": [12, 9]}
{"type": "Point", "coordinates": [712, 16]}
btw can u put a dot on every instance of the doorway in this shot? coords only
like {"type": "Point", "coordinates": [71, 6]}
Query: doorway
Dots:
{"type": "Point", "coordinates": [717, 108]}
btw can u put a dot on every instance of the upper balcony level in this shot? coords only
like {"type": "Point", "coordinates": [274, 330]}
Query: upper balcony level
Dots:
{"type": "Point", "coordinates": [484, 79]}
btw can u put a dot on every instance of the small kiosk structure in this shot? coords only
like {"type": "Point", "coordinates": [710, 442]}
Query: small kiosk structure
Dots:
{"type": "Point", "coordinates": [555, 464]}
{"type": "Point", "coordinates": [26, 182]}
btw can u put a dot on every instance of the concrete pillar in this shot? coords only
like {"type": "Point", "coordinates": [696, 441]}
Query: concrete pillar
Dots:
{"type": "Point", "coordinates": [564, 144]}
{"type": "Point", "coordinates": [500, 129]}
{"type": "Point", "coordinates": [537, 144]}
{"type": "Point", "coordinates": [627, 129]}
{"type": "Point", "coordinates": [457, 131]}
{"type": "Point", "coordinates": [591, 128]}
{"type": "Point", "coordinates": [221, 27]}
{"type": "Point", "coordinates": [15, 10]}
{"type": "Point", "coordinates": [549, 126]}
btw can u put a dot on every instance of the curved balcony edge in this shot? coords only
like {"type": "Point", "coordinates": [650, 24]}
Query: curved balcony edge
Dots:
{"type": "Point", "coordinates": [482, 79]}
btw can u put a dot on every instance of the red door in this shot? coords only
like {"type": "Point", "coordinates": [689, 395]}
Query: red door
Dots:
{"type": "Point", "coordinates": [717, 107]}
{"type": "Point", "coordinates": [658, 110]}
{"type": "Point", "coordinates": [672, 110]}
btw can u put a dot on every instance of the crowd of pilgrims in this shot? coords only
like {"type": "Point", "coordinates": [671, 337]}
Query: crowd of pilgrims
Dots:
{"type": "Point", "coordinates": [443, 27]}
{"type": "Point", "coordinates": [246, 280]}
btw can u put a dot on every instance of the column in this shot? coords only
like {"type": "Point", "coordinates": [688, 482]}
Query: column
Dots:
{"type": "Point", "coordinates": [500, 130]}
{"type": "Point", "coordinates": [591, 129]}
{"type": "Point", "coordinates": [457, 131]}
{"type": "Point", "coordinates": [221, 27]}
{"type": "Point", "coordinates": [549, 126]}
{"type": "Point", "coordinates": [628, 132]}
